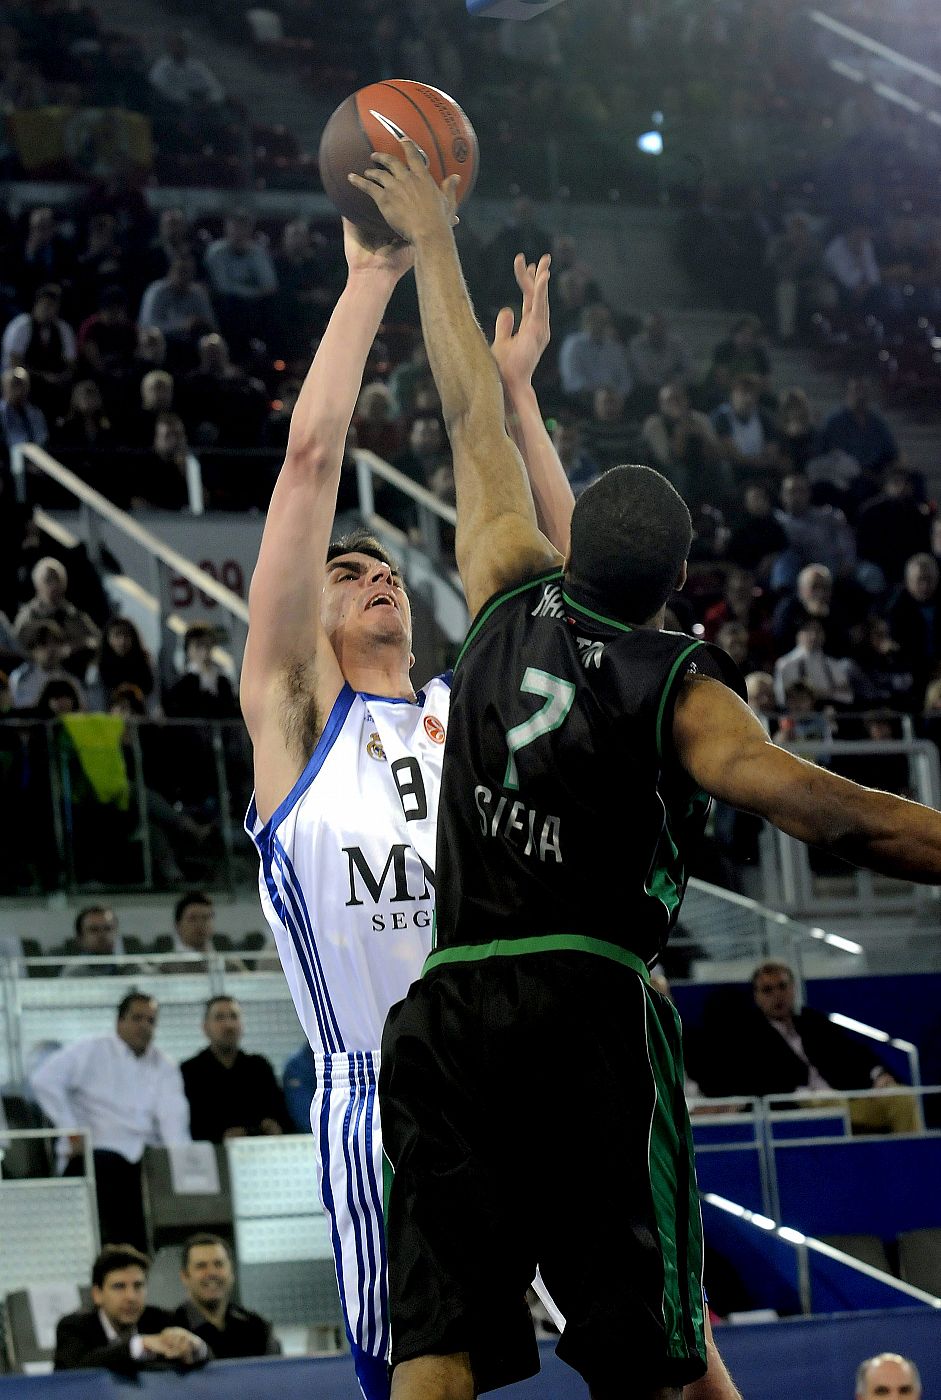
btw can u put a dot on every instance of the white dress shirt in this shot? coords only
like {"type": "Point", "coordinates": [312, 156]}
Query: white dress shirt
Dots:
{"type": "Point", "coordinates": [126, 1101]}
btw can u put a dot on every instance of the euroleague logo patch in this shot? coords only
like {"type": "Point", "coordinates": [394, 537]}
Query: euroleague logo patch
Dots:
{"type": "Point", "coordinates": [460, 149]}
{"type": "Point", "coordinates": [434, 729]}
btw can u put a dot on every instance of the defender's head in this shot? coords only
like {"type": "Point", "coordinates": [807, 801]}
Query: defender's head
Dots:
{"type": "Point", "coordinates": [364, 605]}
{"type": "Point", "coordinates": [631, 533]}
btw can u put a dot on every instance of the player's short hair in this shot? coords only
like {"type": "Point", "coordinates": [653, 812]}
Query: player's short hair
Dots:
{"type": "Point", "coordinates": [361, 542]}
{"type": "Point", "coordinates": [631, 533]}
{"type": "Point", "coordinates": [117, 1256]}
{"type": "Point", "coordinates": [202, 1238]}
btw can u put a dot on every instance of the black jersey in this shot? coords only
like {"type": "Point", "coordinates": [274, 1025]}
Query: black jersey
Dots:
{"type": "Point", "coordinates": [565, 819]}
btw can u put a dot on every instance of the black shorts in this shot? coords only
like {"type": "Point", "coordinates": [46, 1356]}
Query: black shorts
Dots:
{"type": "Point", "coordinates": [533, 1114]}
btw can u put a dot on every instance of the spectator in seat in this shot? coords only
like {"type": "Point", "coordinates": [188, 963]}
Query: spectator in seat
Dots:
{"type": "Point", "coordinates": [609, 435]}
{"type": "Point", "coordinates": [122, 660]}
{"type": "Point", "coordinates": [204, 691]}
{"type": "Point", "coordinates": [522, 233]}
{"type": "Point", "coordinates": [46, 256]}
{"type": "Point", "coordinates": [51, 604]}
{"type": "Point", "coordinates": [888, 1377]}
{"type": "Point", "coordinates": [107, 339]}
{"type": "Point", "coordinates": [683, 446]}
{"type": "Point", "coordinates": [741, 353]}
{"type": "Point", "coordinates": [225, 1328]}
{"type": "Point", "coordinates": [656, 357]}
{"type": "Point", "coordinates": [300, 1081]}
{"type": "Point", "coordinates": [177, 304]}
{"type": "Point", "coordinates": [833, 680]}
{"type": "Point", "coordinates": [96, 941]}
{"type": "Point", "coordinates": [914, 615]}
{"type": "Point", "coordinates": [85, 436]}
{"type": "Point", "coordinates": [160, 481]}
{"type": "Point", "coordinates": [101, 266]}
{"type": "Point", "coordinates": [121, 1332]}
{"type": "Point", "coordinates": [850, 260]}
{"type": "Point", "coordinates": [182, 80]}
{"type": "Point", "coordinates": [128, 1095]}
{"type": "Point", "coordinates": [741, 602]}
{"type": "Point", "coordinates": [222, 405]}
{"type": "Point", "coordinates": [759, 687]}
{"type": "Point", "coordinates": [376, 428]}
{"type": "Point", "coordinates": [757, 537]}
{"type": "Point", "coordinates": [565, 259]}
{"type": "Point", "coordinates": [893, 525]}
{"type": "Point", "coordinates": [577, 462]}
{"type": "Point", "coordinates": [813, 599]}
{"type": "Point", "coordinates": [593, 358]}
{"type": "Point", "coordinates": [573, 294]}
{"type": "Point", "coordinates": [860, 430]}
{"type": "Point", "coordinates": [151, 352]}
{"type": "Point", "coordinates": [407, 376]}
{"type": "Point", "coordinates": [776, 1049]}
{"type": "Point", "coordinates": [815, 535]}
{"type": "Point", "coordinates": [888, 671]}
{"type": "Point", "coordinates": [43, 643]}
{"type": "Point", "coordinates": [243, 278]}
{"type": "Point", "coordinates": [747, 434]}
{"type": "Point", "coordinates": [20, 420]}
{"type": "Point", "coordinates": [306, 290]}
{"type": "Point", "coordinates": [231, 1094]}
{"type": "Point", "coordinates": [795, 258]}
{"type": "Point", "coordinates": [41, 342]}
{"type": "Point", "coordinates": [425, 453]}
{"type": "Point", "coordinates": [797, 435]}
{"type": "Point", "coordinates": [174, 240]}
{"type": "Point", "coordinates": [157, 391]}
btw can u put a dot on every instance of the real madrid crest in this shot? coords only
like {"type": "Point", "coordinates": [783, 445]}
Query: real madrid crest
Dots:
{"type": "Point", "coordinates": [374, 748]}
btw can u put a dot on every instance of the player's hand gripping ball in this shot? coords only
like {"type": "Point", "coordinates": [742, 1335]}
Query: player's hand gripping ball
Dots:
{"type": "Point", "coordinates": [376, 119]}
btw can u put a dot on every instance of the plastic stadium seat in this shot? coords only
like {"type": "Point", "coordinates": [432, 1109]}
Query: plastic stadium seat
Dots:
{"type": "Point", "coordinates": [25, 1157]}
{"type": "Point", "coordinates": [868, 1249]}
{"type": "Point", "coordinates": [920, 1259]}
{"type": "Point", "coordinates": [171, 1216]}
{"type": "Point", "coordinates": [164, 1288]}
{"type": "Point", "coordinates": [24, 1344]}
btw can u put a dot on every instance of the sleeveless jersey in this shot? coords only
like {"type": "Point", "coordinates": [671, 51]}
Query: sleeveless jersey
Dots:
{"type": "Point", "coordinates": [347, 864]}
{"type": "Point", "coordinates": [566, 819]}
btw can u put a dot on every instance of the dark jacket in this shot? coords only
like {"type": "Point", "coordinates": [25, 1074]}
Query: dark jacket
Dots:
{"type": "Point", "coordinates": [81, 1341]}
{"type": "Point", "coordinates": [244, 1334]}
{"type": "Point", "coordinates": [759, 1061]}
{"type": "Point", "coordinates": [238, 1097]}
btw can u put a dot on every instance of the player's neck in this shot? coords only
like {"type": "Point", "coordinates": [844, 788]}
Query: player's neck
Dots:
{"type": "Point", "coordinates": [378, 675]}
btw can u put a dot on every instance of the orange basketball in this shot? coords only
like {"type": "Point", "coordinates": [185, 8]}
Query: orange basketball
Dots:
{"type": "Point", "coordinates": [373, 119]}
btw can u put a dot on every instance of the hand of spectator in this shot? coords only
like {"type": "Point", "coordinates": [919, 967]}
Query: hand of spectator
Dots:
{"type": "Point", "coordinates": [76, 1144]}
{"type": "Point", "coordinates": [518, 355]}
{"type": "Point", "coordinates": [885, 1080]}
{"type": "Point", "coordinates": [270, 1127]}
{"type": "Point", "coordinates": [235, 1132]}
{"type": "Point", "coordinates": [392, 259]}
{"type": "Point", "coordinates": [175, 1344]}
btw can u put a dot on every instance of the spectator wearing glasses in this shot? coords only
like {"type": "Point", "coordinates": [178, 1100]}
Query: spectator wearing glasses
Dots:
{"type": "Point", "coordinates": [96, 941]}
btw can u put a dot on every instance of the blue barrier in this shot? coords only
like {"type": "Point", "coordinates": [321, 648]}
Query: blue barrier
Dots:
{"type": "Point", "coordinates": [733, 1172]}
{"type": "Point", "coordinates": [867, 1186]}
{"type": "Point", "coordinates": [772, 1361]}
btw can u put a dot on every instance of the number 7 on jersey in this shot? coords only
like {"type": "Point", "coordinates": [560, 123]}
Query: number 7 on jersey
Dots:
{"type": "Point", "coordinates": [558, 696]}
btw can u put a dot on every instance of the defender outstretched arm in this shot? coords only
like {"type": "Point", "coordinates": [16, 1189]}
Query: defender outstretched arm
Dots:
{"type": "Point", "coordinates": [724, 748]}
{"type": "Point", "coordinates": [498, 540]}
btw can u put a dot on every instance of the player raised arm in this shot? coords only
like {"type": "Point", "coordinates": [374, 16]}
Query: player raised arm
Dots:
{"type": "Point", "coordinates": [517, 355]}
{"type": "Point", "coordinates": [725, 749]}
{"type": "Point", "coordinates": [498, 540]}
{"type": "Point", "coordinates": [290, 677]}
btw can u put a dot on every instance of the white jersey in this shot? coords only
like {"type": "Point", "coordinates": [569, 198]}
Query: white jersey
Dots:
{"type": "Point", "coordinates": [347, 864]}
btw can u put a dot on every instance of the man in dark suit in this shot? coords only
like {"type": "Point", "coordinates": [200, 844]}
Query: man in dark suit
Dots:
{"type": "Point", "coordinates": [225, 1328]}
{"type": "Point", "coordinates": [231, 1094]}
{"type": "Point", "coordinates": [120, 1332]}
{"type": "Point", "coordinates": [776, 1049]}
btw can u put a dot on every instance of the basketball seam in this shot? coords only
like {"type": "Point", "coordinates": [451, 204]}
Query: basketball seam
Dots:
{"type": "Point", "coordinates": [431, 130]}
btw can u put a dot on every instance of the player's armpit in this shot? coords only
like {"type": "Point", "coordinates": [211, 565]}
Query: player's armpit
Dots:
{"type": "Point", "coordinates": [726, 751]}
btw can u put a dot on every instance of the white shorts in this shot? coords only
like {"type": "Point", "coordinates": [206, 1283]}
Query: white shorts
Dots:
{"type": "Point", "coordinates": [344, 1118]}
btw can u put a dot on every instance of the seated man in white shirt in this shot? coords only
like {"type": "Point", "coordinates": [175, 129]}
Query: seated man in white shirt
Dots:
{"type": "Point", "coordinates": [833, 680]}
{"type": "Point", "coordinates": [120, 1332]}
{"type": "Point", "coordinates": [127, 1095]}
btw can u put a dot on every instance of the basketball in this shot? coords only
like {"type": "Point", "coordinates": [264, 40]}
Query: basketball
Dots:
{"type": "Point", "coordinates": [373, 119]}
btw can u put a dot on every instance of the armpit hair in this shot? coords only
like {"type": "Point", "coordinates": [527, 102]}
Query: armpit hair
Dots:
{"type": "Point", "coordinates": [300, 720]}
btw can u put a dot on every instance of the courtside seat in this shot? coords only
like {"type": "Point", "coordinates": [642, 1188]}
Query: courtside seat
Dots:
{"type": "Point", "coordinates": [172, 1215]}
{"type": "Point", "coordinates": [920, 1259]}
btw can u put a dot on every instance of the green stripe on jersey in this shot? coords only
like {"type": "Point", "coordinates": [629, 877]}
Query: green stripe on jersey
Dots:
{"type": "Point", "coordinates": [547, 943]}
{"type": "Point", "coordinates": [598, 617]}
{"type": "Point", "coordinates": [495, 603]}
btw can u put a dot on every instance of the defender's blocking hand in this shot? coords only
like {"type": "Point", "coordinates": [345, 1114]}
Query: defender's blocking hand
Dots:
{"type": "Point", "coordinates": [406, 194]}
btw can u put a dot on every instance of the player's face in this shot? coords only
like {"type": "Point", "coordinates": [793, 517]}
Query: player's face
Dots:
{"type": "Point", "coordinates": [123, 1295]}
{"type": "Point", "coordinates": [362, 596]}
